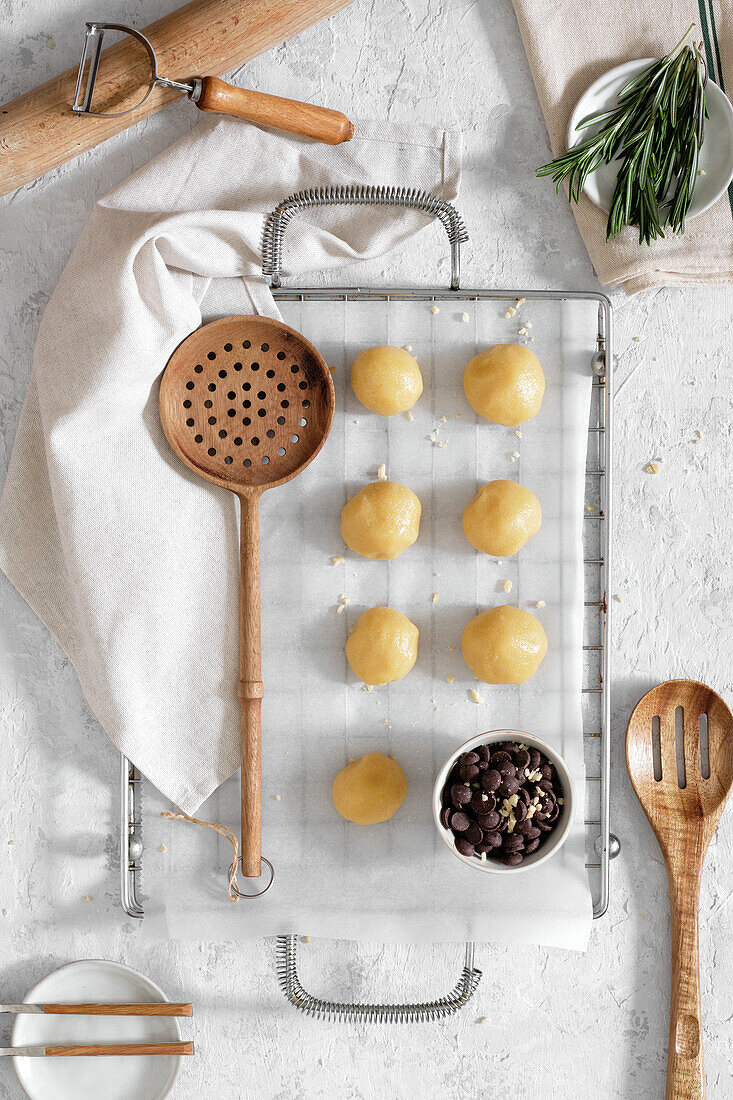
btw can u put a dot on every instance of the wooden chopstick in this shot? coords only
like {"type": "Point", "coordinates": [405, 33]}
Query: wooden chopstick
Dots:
{"type": "Point", "coordinates": [120, 1048]}
{"type": "Point", "coordinates": [163, 1008]}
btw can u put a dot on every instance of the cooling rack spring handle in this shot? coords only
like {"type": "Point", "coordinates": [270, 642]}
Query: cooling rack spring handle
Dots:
{"type": "Point", "coordinates": [408, 198]}
{"type": "Point", "coordinates": [287, 974]}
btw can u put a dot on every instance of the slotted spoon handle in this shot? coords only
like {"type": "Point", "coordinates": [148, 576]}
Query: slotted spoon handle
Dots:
{"type": "Point", "coordinates": [290, 115]}
{"type": "Point", "coordinates": [250, 683]}
{"type": "Point", "coordinates": [685, 1069]}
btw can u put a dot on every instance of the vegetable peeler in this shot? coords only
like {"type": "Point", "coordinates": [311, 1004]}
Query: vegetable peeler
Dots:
{"type": "Point", "coordinates": [209, 93]}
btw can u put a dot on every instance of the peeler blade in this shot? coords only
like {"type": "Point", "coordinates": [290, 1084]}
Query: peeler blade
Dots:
{"type": "Point", "coordinates": [92, 48]}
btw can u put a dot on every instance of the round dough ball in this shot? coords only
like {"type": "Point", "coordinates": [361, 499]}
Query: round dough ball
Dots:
{"type": "Point", "coordinates": [385, 379]}
{"type": "Point", "coordinates": [370, 789]}
{"type": "Point", "coordinates": [381, 521]}
{"type": "Point", "coordinates": [382, 646]}
{"type": "Point", "coordinates": [504, 645]}
{"type": "Point", "coordinates": [505, 384]}
{"type": "Point", "coordinates": [501, 518]}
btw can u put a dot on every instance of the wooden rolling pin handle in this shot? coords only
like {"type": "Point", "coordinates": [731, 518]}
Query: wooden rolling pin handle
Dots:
{"type": "Point", "coordinates": [303, 119]}
{"type": "Point", "coordinates": [114, 1049]}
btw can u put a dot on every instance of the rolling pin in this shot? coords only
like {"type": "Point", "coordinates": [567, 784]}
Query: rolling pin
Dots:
{"type": "Point", "coordinates": [38, 130]}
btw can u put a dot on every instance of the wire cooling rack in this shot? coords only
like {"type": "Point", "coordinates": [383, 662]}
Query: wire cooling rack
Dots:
{"type": "Point", "coordinates": [601, 844]}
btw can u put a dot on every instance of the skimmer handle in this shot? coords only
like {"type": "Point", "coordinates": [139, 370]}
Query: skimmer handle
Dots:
{"type": "Point", "coordinates": [250, 684]}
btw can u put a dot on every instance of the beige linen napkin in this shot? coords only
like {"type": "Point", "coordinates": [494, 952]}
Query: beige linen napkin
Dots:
{"type": "Point", "coordinates": [570, 43]}
{"type": "Point", "coordinates": [130, 560]}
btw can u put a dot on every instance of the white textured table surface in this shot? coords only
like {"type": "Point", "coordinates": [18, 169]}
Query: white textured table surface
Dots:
{"type": "Point", "coordinates": [543, 1023]}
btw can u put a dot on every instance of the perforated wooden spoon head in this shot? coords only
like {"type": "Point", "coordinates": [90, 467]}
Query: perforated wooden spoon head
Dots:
{"type": "Point", "coordinates": [246, 402]}
{"type": "Point", "coordinates": [689, 729]}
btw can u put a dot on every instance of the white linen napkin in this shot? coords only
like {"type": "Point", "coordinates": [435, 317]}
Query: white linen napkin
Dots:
{"type": "Point", "coordinates": [130, 560]}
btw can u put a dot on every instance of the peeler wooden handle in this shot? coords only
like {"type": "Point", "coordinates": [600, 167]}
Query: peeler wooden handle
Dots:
{"type": "Point", "coordinates": [685, 1068]}
{"type": "Point", "coordinates": [250, 683]}
{"type": "Point", "coordinates": [304, 119]}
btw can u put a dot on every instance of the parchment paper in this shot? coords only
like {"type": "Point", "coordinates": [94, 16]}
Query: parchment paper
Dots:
{"type": "Point", "coordinates": [398, 881]}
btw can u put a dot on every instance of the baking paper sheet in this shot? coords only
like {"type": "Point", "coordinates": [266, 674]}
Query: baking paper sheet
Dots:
{"type": "Point", "coordinates": [398, 881]}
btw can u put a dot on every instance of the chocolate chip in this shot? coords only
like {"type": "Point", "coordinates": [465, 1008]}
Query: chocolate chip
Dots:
{"type": "Point", "coordinates": [532, 846]}
{"type": "Point", "coordinates": [500, 757]}
{"type": "Point", "coordinates": [468, 772]}
{"type": "Point", "coordinates": [524, 796]}
{"type": "Point", "coordinates": [445, 815]}
{"type": "Point", "coordinates": [513, 859]}
{"type": "Point", "coordinates": [521, 758]}
{"type": "Point", "coordinates": [474, 835]}
{"type": "Point", "coordinates": [553, 816]}
{"type": "Point", "coordinates": [546, 771]}
{"type": "Point", "coordinates": [544, 826]}
{"type": "Point", "coordinates": [460, 822]}
{"type": "Point", "coordinates": [479, 800]}
{"type": "Point", "coordinates": [507, 768]}
{"type": "Point", "coordinates": [531, 833]}
{"type": "Point", "coordinates": [483, 848]}
{"type": "Point", "coordinates": [483, 752]}
{"type": "Point", "coordinates": [470, 758]}
{"type": "Point", "coordinates": [464, 847]}
{"type": "Point", "coordinates": [488, 822]}
{"type": "Point", "coordinates": [489, 804]}
{"type": "Point", "coordinates": [460, 794]}
{"type": "Point", "coordinates": [545, 785]}
{"type": "Point", "coordinates": [491, 779]}
{"type": "Point", "coordinates": [482, 765]}
{"type": "Point", "coordinates": [511, 747]}
{"type": "Point", "coordinates": [509, 787]}
{"type": "Point", "coordinates": [520, 810]}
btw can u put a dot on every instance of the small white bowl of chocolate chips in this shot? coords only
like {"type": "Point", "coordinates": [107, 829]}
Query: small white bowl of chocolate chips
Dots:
{"type": "Point", "coordinates": [504, 801]}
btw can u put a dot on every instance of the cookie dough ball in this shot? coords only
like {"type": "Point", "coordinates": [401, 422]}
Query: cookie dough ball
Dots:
{"type": "Point", "coordinates": [387, 380]}
{"type": "Point", "coordinates": [381, 521]}
{"type": "Point", "coordinates": [505, 384]}
{"type": "Point", "coordinates": [382, 646]}
{"type": "Point", "coordinates": [504, 645]}
{"type": "Point", "coordinates": [370, 789]}
{"type": "Point", "coordinates": [501, 518]}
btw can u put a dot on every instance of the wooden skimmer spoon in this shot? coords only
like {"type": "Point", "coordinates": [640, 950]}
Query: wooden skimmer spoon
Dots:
{"type": "Point", "coordinates": [683, 806]}
{"type": "Point", "coordinates": [247, 402]}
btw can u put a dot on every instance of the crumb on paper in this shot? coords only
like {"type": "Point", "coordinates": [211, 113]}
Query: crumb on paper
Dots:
{"type": "Point", "coordinates": [435, 708]}
{"type": "Point", "coordinates": [590, 508]}
{"type": "Point", "coordinates": [512, 458]}
{"type": "Point", "coordinates": [515, 454]}
{"type": "Point", "coordinates": [435, 597]}
{"type": "Point", "coordinates": [531, 340]}
{"type": "Point", "coordinates": [458, 416]}
{"type": "Point", "coordinates": [618, 597]}
{"type": "Point", "coordinates": [407, 347]}
{"type": "Point", "coordinates": [523, 331]}
{"type": "Point", "coordinates": [356, 421]}
{"type": "Point", "coordinates": [451, 648]}
{"type": "Point", "coordinates": [343, 601]}
{"type": "Point", "coordinates": [333, 369]}
{"type": "Point", "coordinates": [518, 433]}
{"type": "Point", "coordinates": [465, 318]}
{"type": "Point", "coordinates": [436, 573]}
{"type": "Point", "coordinates": [520, 302]}
{"type": "Point", "coordinates": [507, 586]}
{"type": "Point", "coordinates": [51, 45]}
{"type": "Point", "coordinates": [11, 842]}
{"type": "Point", "coordinates": [337, 560]}
{"type": "Point", "coordinates": [278, 798]}
{"type": "Point", "coordinates": [163, 848]}
{"type": "Point", "coordinates": [510, 311]}
{"type": "Point", "coordinates": [382, 472]}
{"type": "Point", "coordinates": [540, 604]}
{"type": "Point", "coordinates": [409, 416]}
{"type": "Point", "coordinates": [367, 687]}
{"type": "Point", "coordinates": [636, 339]}
{"type": "Point", "coordinates": [442, 419]}
{"type": "Point", "coordinates": [652, 467]}
{"type": "Point", "coordinates": [701, 172]}
{"type": "Point", "coordinates": [306, 939]}
{"type": "Point", "coordinates": [88, 898]}
{"type": "Point", "coordinates": [431, 438]}
{"type": "Point", "coordinates": [450, 679]}
{"type": "Point", "coordinates": [443, 444]}
{"type": "Point", "coordinates": [435, 309]}
{"type": "Point", "coordinates": [698, 436]}
{"type": "Point", "coordinates": [475, 696]}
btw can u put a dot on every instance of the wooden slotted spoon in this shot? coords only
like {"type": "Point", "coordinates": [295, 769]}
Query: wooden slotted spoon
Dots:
{"type": "Point", "coordinates": [683, 806]}
{"type": "Point", "coordinates": [247, 402]}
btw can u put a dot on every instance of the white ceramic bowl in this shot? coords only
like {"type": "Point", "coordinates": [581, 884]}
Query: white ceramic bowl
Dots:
{"type": "Point", "coordinates": [716, 155]}
{"type": "Point", "coordinates": [555, 839]}
{"type": "Point", "coordinates": [113, 1077]}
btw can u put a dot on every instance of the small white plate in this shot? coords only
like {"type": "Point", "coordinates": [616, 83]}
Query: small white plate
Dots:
{"type": "Point", "coordinates": [716, 155]}
{"type": "Point", "coordinates": [103, 1078]}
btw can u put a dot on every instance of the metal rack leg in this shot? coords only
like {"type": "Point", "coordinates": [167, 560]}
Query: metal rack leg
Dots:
{"type": "Point", "coordinates": [287, 975]}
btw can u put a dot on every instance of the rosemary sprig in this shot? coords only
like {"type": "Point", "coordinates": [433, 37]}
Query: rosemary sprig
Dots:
{"type": "Point", "coordinates": [655, 131]}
